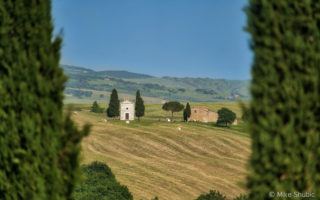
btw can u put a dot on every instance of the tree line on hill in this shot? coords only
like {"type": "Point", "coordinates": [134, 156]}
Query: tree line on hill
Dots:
{"type": "Point", "coordinates": [225, 115]}
{"type": "Point", "coordinates": [40, 145]}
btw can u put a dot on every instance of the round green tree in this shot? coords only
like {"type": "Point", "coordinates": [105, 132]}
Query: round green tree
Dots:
{"type": "Point", "coordinates": [225, 117]}
{"type": "Point", "coordinates": [172, 106]}
{"type": "Point", "coordinates": [284, 112]}
{"type": "Point", "coordinates": [39, 145]}
{"type": "Point", "coordinates": [114, 105]}
{"type": "Point", "coordinates": [139, 106]}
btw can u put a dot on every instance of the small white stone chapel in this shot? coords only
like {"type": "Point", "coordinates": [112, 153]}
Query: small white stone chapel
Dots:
{"type": "Point", "coordinates": [127, 111]}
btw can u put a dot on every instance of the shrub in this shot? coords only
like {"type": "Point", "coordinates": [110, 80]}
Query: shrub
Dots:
{"type": "Point", "coordinates": [212, 195]}
{"type": "Point", "coordinates": [242, 197]}
{"type": "Point", "coordinates": [99, 184]}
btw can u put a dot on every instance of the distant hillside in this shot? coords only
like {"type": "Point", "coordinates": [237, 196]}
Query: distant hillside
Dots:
{"type": "Point", "coordinates": [107, 73]}
{"type": "Point", "coordinates": [170, 88]}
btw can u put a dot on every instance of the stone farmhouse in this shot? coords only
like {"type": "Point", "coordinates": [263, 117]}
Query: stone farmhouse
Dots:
{"type": "Point", "coordinates": [127, 111]}
{"type": "Point", "coordinates": [203, 114]}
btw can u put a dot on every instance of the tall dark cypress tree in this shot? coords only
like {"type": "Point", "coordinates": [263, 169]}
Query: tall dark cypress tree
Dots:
{"type": "Point", "coordinates": [188, 110]}
{"type": "Point", "coordinates": [139, 106]}
{"type": "Point", "coordinates": [114, 105]}
{"type": "Point", "coordinates": [39, 146]}
{"type": "Point", "coordinates": [96, 108]}
{"type": "Point", "coordinates": [284, 113]}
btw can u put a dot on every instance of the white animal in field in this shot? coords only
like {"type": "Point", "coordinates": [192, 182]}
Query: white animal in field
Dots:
{"type": "Point", "coordinates": [168, 120]}
{"type": "Point", "coordinates": [103, 120]}
{"type": "Point", "coordinates": [127, 122]}
{"type": "Point", "coordinates": [179, 128]}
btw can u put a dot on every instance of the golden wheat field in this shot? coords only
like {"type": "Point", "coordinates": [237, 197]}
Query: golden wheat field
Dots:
{"type": "Point", "coordinates": [155, 158]}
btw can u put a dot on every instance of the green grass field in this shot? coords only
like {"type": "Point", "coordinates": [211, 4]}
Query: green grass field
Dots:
{"type": "Point", "coordinates": [155, 158]}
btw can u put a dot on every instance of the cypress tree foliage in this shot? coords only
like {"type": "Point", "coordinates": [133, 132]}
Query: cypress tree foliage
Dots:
{"type": "Point", "coordinates": [245, 114]}
{"type": "Point", "coordinates": [39, 146]}
{"type": "Point", "coordinates": [139, 106]}
{"type": "Point", "coordinates": [185, 115]}
{"type": "Point", "coordinates": [188, 111]}
{"type": "Point", "coordinates": [96, 108]}
{"type": "Point", "coordinates": [284, 113]}
{"type": "Point", "coordinates": [114, 105]}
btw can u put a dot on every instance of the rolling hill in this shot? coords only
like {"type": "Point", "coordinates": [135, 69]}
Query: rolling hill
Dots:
{"type": "Point", "coordinates": [167, 88]}
{"type": "Point", "coordinates": [154, 158]}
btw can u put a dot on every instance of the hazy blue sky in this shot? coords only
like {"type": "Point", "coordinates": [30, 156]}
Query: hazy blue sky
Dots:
{"type": "Point", "coordinates": [195, 38]}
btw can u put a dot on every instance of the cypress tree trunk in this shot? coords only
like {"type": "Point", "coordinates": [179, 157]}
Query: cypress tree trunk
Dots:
{"type": "Point", "coordinates": [285, 107]}
{"type": "Point", "coordinates": [39, 146]}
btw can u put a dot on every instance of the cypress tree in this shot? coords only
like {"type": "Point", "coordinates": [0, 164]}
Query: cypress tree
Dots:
{"type": "Point", "coordinates": [185, 115]}
{"type": "Point", "coordinates": [139, 106]}
{"type": "Point", "coordinates": [188, 111]}
{"type": "Point", "coordinates": [96, 108]}
{"type": "Point", "coordinates": [39, 145]}
{"type": "Point", "coordinates": [284, 113]}
{"type": "Point", "coordinates": [114, 105]}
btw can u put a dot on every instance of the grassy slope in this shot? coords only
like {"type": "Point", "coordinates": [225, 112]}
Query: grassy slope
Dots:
{"type": "Point", "coordinates": [156, 159]}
